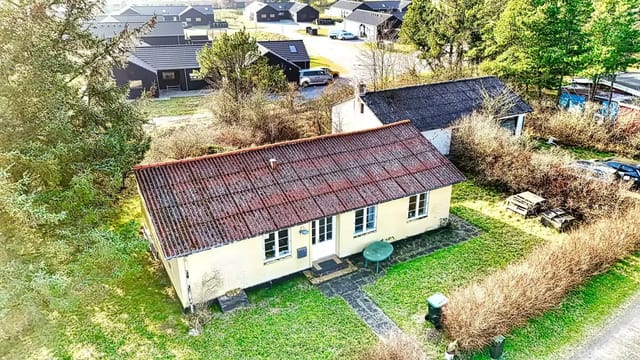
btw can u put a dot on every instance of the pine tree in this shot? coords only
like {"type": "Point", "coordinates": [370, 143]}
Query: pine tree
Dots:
{"type": "Point", "coordinates": [68, 136]}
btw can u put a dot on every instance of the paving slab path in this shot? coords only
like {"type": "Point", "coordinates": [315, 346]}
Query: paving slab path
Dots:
{"type": "Point", "coordinates": [618, 339]}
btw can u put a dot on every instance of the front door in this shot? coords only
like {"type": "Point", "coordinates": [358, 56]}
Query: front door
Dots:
{"type": "Point", "coordinates": [323, 238]}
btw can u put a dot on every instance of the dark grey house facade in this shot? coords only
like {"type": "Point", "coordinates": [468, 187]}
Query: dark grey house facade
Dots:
{"type": "Point", "coordinates": [276, 11]}
{"type": "Point", "coordinates": [156, 68]}
{"type": "Point", "coordinates": [196, 15]}
{"type": "Point", "coordinates": [344, 8]}
{"type": "Point", "coordinates": [373, 26]}
{"type": "Point", "coordinates": [289, 55]}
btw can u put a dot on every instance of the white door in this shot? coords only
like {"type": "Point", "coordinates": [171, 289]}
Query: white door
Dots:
{"type": "Point", "coordinates": [323, 238]}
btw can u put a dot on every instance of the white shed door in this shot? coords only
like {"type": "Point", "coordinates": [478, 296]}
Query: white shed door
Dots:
{"type": "Point", "coordinates": [323, 238]}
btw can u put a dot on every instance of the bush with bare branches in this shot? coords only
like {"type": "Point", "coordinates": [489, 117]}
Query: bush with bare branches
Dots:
{"type": "Point", "coordinates": [180, 142]}
{"type": "Point", "coordinates": [482, 148]}
{"type": "Point", "coordinates": [395, 347]}
{"type": "Point", "coordinates": [583, 129]}
{"type": "Point", "coordinates": [540, 282]}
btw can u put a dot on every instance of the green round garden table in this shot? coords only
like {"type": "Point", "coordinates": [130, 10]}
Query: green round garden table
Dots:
{"type": "Point", "coordinates": [377, 251]}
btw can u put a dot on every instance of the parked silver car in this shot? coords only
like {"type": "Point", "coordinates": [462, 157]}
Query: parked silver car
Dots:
{"type": "Point", "coordinates": [314, 77]}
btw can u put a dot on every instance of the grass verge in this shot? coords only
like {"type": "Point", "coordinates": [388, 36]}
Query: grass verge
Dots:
{"type": "Point", "coordinates": [175, 106]}
{"type": "Point", "coordinates": [320, 61]}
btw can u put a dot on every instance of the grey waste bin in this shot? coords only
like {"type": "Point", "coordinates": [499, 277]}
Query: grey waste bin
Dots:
{"type": "Point", "coordinates": [435, 303]}
{"type": "Point", "coordinates": [497, 347]}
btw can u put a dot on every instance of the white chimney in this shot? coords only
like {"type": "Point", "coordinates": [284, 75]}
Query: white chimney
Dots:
{"type": "Point", "coordinates": [273, 163]}
{"type": "Point", "coordinates": [362, 89]}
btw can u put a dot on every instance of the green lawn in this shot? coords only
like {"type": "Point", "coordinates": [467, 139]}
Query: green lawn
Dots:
{"type": "Point", "coordinates": [506, 237]}
{"type": "Point", "coordinates": [122, 305]}
{"type": "Point", "coordinates": [175, 106]}
{"type": "Point", "coordinates": [320, 61]}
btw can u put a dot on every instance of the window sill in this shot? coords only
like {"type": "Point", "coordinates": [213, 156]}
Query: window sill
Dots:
{"type": "Point", "coordinates": [270, 261]}
{"type": "Point", "coordinates": [364, 233]}
{"type": "Point", "coordinates": [418, 218]}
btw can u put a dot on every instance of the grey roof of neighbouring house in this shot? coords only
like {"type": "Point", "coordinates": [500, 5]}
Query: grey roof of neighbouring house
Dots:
{"type": "Point", "coordinates": [282, 49]}
{"type": "Point", "coordinates": [368, 17]}
{"type": "Point", "coordinates": [205, 9]}
{"type": "Point", "coordinates": [298, 6]}
{"type": "Point", "coordinates": [127, 18]}
{"type": "Point", "coordinates": [281, 6]}
{"type": "Point", "coordinates": [164, 9]}
{"type": "Point", "coordinates": [438, 105]}
{"type": "Point", "coordinates": [108, 30]}
{"type": "Point", "coordinates": [168, 57]}
{"type": "Point", "coordinates": [350, 5]}
{"type": "Point", "coordinates": [383, 5]}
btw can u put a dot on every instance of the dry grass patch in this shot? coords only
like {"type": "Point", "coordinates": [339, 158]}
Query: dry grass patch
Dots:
{"type": "Point", "coordinates": [395, 347]}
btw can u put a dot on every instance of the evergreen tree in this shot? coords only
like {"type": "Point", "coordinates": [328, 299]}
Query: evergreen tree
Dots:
{"type": "Point", "coordinates": [68, 136]}
{"type": "Point", "coordinates": [235, 61]}
{"type": "Point", "coordinates": [613, 39]}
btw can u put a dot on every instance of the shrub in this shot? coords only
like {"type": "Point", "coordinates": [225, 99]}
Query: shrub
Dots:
{"type": "Point", "coordinates": [581, 129]}
{"type": "Point", "coordinates": [395, 347]}
{"type": "Point", "coordinates": [181, 142]}
{"type": "Point", "coordinates": [484, 149]}
{"type": "Point", "coordinates": [540, 282]}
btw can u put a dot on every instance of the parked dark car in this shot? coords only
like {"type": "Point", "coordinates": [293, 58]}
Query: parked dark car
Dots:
{"type": "Point", "coordinates": [626, 170]}
{"type": "Point", "coordinates": [594, 170]}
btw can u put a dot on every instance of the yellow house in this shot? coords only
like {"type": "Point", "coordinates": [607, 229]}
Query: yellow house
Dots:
{"type": "Point", "coordinates": [254, 215]}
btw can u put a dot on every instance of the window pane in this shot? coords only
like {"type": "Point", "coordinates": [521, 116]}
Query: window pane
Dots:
{"type": "Point", "coordinates": [412, 207]}
{"type": "Point", "coordinates": [270, 246]}
{"type": "Point", "coordinates": [313, 232]}
{"type": "Point", "coordinates": [371, 218]}
{"type": "Point", "coordinates": [359, 221]}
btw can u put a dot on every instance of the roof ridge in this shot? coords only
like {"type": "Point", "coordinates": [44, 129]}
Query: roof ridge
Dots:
{"type": "Point", "coordinates": [267, 146]}
{"type": "Point", "coordinates": [433, 83]}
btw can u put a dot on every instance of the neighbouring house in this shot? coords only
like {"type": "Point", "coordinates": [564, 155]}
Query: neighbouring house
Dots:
{"type": "Point", "coordinates": [162, 33]}
{"type": "Point", "coordinates": [373, 26]}
{"type": "Point", "coordinates": [344, 8]}
{"type": "Point", "coordinates": [190, 15]}
{"type": "Point", "coordinates": [432, 108]}
{"type": "Point", "coordinates": [289, 55]}
{"type": "Point", "coordinates": [276, 11]}
{"type": "Point", "coordinates": [624, 94]}
{"type": "Point", "coordinates": [161, 68]}
{"type": "Point", "coordinates": [127, 18]}
{"type": "Point", "coordinates": [258, 214]}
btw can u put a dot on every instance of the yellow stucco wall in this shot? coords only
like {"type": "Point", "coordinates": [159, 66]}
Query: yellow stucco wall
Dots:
{"type": "Point", "coordinates": [241, 264]}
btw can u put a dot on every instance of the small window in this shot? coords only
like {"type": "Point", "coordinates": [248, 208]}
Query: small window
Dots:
{"type": "Point", "coordinates": [418, 206]}
{"type": "Point", "coordinates": [293, 49]}
{"type": "Point", "coordinates": [264, 16]}
{"type": "Point", "coordinates": [365, 220]}
{"type": "Point", "coordinates": [194, 76]}
{"type": "Point", "coordinates": [322, 230]}
{"type": "Point", "coordinates": [170, 75]}
{"type": "Point", "coordinates": [280, 13]}
{"type": "Point", "coordinates": [198, 20]}
{"type": "Point", "coordinates": [276, 245]}
{"type": "Point", "coordinates": [135, 84]}
{"type": "Point", "coordinates": [361, 108]}
{"type": "Point", "coordinates": [272, 15]}
{"type": "Point", "coordinates": [175, 18]}
{"type": "Point", "coordinates": [187, 19]}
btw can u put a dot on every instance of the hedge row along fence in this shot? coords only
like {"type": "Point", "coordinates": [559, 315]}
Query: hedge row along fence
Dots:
{"type": "Point", "coordinates": [482, 148]}
{"type": "Point", "coordinates": [540, 282]}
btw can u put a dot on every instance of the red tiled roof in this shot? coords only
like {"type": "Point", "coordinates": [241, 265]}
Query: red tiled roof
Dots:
{"type": "Point", "coordinates": [201, 203]}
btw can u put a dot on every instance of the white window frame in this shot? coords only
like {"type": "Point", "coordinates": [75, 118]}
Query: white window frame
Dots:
{"type": "Point", "coordinates": [187, 19]}
{"type": "Point", "coordinates": [198, 19]}
{"type": "Point", "coordinates": [367, 226]}
{"type": "Point", "coordinates": [264, 16]}
{"type": "Point", "coordinates": [272, 15]}
{"type": "Point", "coordinates": [135, 84]}
{"type": "Point", "coordinates": [277, 246]}
{"type": "Point", "coordinates": [317, 235]}
{"type": "Point", "coordinates": [418, 206]}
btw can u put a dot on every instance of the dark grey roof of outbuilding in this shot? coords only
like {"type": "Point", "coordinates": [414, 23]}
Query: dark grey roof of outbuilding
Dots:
{"type": "Point", "coordinates": [158, 10]}
{"type": "Point", "coordinates": [131, 18]}
{"type": "Point", "coordinates": [383, 5]}
{"type": "Point", "coordinates": [108, 30]}
{"type": "Point", "coordinates": [299, 6]}
{"type": "Point", "coordinates": [368, 17]}
{"type": "Point", "coordinates": [438, 105]}
{"type": "Point", "coordinates": [281, 48]}
{"type": "Point", "coordinates": [169, 57]}
{"type": "Point", "coordinates": [205, 9]}
{"type": "Point", "coordinates": [350, 5]}
{"type": "Point", "coordinates": [281, 6]}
